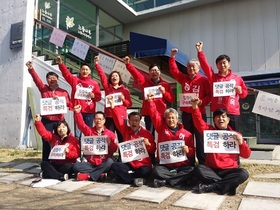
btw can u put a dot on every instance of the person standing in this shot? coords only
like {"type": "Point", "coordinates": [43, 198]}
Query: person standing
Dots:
{"type": "Point", "coordinates": [85, 91]}
{"type": "Point", "coordinates": [192, 82]}
{"type": "Point", "coordinates": [96, 165]}
{"type": "Point", "coordinates": [178, 173]}
{"type": "Point", "coordinates": [230, 103]}
{"type": "Point", "coordinates": [138, 170]}
{"type": "Point", "coordinates": [155, 80]}
{"type": "Point", "coordinates": [59, 169]}
{"type": "Point", "coordinates": [221, 172]}
{"type": "Point", "coordinates": [49, 90]}
{"type": "Point", "coordinates": [112, 85]}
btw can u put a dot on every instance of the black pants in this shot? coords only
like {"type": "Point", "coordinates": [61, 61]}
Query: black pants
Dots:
{"type": "Point", "coordinates": [56, 171]}
{"type": "Point", "coordinates": [234, 122]}
{"type": "Point", "coordinates": [224, 179]}
{"type": "Point", "coordinates": [46, 146]}
{"type": "Point", "coordinates": [121, 170]}
{"type": "Point", "coordinates": [174, 176]}
{"type": "Point", "coordinates": [150, 127]}
{"type": "Point", "coordinates": [199, 143]}
{"type": "Point", "coordinates": [93, 171]}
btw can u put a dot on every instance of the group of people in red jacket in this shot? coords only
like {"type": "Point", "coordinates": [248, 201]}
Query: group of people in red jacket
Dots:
{"type": "Point", "coordinates": [211, 172]}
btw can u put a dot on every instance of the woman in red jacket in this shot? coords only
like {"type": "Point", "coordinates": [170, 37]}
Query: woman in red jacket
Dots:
{"type": "Point", "coordinates": [221, 172]}
{"type": "Point", "coordinates": [114, 84]}
{"type": "Point", "coordinates": [59, 168]}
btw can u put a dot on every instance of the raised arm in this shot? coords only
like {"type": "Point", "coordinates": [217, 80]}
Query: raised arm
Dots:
{"type": "Point", "coordinates": [38, 82]}
{"type": "Point", "coordinates": [102, 75]}
{"type": "Point", "coordinates": [173, 68]}
{"type": "Point", "coordinates": [64, 71]}
{"type": "Point", "coordinates": [86, 130]}
{"type": "Point", "coordinates": [140, 79]}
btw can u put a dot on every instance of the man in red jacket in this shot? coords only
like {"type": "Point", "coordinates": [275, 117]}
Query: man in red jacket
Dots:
{"type": "Point", "coordinates": [49, 90]}
{"type": "Point", "coordinates": [225, 74]}
{"type": "Point", "coordinates": [135, 171]}
{"type": "Point", "coordinates": [220, 173]}
{"type": "Point", "coordinates": [96, 165]}
{"type": "Point", "coordinates": [175, 172]}
{"type": "Point", "coordinates": [192, 83]}
{"type": "Point", "coordinates": [85, 91]}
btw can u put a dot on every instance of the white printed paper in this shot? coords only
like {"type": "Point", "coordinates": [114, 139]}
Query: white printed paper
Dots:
{"type": "Point", "coordinates": [94, 145]}
{"type": "Point", "coordinates": [185, 99]}
{"type": "Point", "coordinates": [57, 37]}
{"type": "Point", "coordinates": [58, 152]}
{"type": "Point", "coordinates": [171, 152]}
{"type": "Point", "coordinates": [155, 90]}
{"type": "Point", "coordinates": [79, 49]}
{"type": "Point", "coordinates": [117, 99]}
{"type": "Point", "coordinates": [49, 106]}
{"type": "Point", "coordinates": [224, 88]}
{"type": "Point", "coordinates": [107, 63]}
{"type": "Point", "coordinates": [82, 93]}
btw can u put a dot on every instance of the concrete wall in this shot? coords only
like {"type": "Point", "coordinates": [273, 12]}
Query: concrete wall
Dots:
{"type": "Point", "coordinates": [13, 81]}
{"type": "Point", "coordinates": [247, 30]}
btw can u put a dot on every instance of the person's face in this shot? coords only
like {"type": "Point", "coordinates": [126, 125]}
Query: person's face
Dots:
{"type": "Point", "coordinates": [84, 71]}
{"type": "Point", "coordinates": [115, 79]}
{"type": "Point", "coordinates": [221, 121]}
{"type": "Point", "coordinates": [154, 73]}
{"type": "Point", "coordinates": [223, 66]}
{"type": "Point", "coordinates": [52, 80]}
{"type": "Point", "coordinates": [192, 69]}
{"type": "Point", "coordinates": [134, 122]}
{"type": "Point", "coordinates": [62, 130]}
{"type": "Point", "coordinates": [171, 120]}
{"type": "Point", "coordinates": [99, 121]}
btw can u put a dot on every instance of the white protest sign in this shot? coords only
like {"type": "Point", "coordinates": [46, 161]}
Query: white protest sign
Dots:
{"type": "Point", "coordinates": [82, 93]}
{"type": "Point", "coordinates": [220, 141]}
{"type": "Point", "coordinates": [57, 37]}
{"type": "Point", "coordinates": [224, 88]}
{"type": "Point", "coordinates": [133, 150]}
{"type": "Point", "coordinates": [117, 99]}
{"type": "Point", "coordinates": [171, 152]}
{"type": "Point", "coordinates": [268, 105]}
{"type": "Point", "coordinates": [185, 99]}
{"type": "Point", "coordinates": [50, 106]}
{"type": "Point", "coordinates": [58, 152]}
{"type": "Point", "coordinates": [94, 145]}
{"type": "Point", "coordinates": [120, 67]}
{"type": "Point", "coordinates": [107, 63]}
{"type": "Point", "coordinates": [79, 49]}
{"type": "Point", "coordinates": [155, 90]}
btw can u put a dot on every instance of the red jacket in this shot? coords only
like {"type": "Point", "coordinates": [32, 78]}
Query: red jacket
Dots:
{"type": "Point", "coordinates": [230, 103]}
{"type": "Point", "coordinates": [70, 140]}
{"type": "Point", "coordinates": [91, 131]}
{"type": "Point", "coordinates": [47, 92]}
{"type": "Point", "coordinates": [109, 89]}
{"type": "Point", "coordinates": [128, 134]}
{"type": "Point", "coordinates": [219, 160]}
{"type": "Point", "coordinates": [199, 84]}
{"type": "Point", "coordinates": [165, 134]}
{"type": "Point", "coordinates": [88, 106]}
{"type": "Point", "coordinates": [160, 102]}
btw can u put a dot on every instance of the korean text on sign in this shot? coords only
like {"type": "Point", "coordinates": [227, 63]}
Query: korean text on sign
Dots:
{"type": "Point", "coordinates": [58, 152]}
{"type": "Point", "coordinates": [82, 93]}
{"type": "Point", "coordinates": [50, 106]}
{"type": "Point", "coordinates": [117, 99]}
{"type": "Point", "coordinates": [171, 152]}
{"type": "Point", "coordinates": [155, 90]}
{"type": "Point", "coordinates": [224, 88]}
{"type": "Point", "coordinates": [133, 150]}
{"type": "Point", "coordinates": [220, 141]}
{"type": "Point", "coordinates": [94, 145]}
{"type": "Point", "coordinates": [185, 99]}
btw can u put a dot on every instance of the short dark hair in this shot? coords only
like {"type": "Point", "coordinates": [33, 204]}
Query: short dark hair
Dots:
{"type": "Point", "coordinates": [219, 112]}
{"type": "Point", "coordinates": [222, 57]}
{"type": "Point", "coordinates": [51, 73]}
{"type": "Point", "coordinates": [100, 112]}
{"type": "Point", "coordinates": [64, 123]}
{"type": "Point", "coordinates": [110, 75]}
{"type": "Point", "coordinates": [153, 65]}
{"type": "Point", "coordinates": [134, 114]}
{"type": "Point", "coordinates": [85, 64]}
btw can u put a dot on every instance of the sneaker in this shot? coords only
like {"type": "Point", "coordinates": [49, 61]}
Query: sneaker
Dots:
{"type": "Point", "coordinates": [159, 183]}
{"type": "Point", "coordinates": [102, 177]}
{"type": "Point", "coordinates": [204, 188]}
{"type": "Point", "coordinates": [82, 176]}
{"type": "Point", "coordinates": [41, 174]}
{"type": "Point", "coordinates": [138, 182]}
{"type": "Point", "coordinates": [66, 177]}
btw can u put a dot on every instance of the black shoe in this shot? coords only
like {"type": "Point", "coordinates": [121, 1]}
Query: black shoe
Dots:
{"type": "Point", "coordinates": [232, 191]}
{"type": "Point", "coordinates": [204, 188]}
{"type": "Point", "coordinates": [159, 183]}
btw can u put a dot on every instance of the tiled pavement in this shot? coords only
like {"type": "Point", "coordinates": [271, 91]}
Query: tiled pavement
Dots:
{"type": "Point", "coordinates": [257, 195]}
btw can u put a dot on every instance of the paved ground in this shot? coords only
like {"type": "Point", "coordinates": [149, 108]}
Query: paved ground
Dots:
{"type": "Point", "coordinates": [17, 193]}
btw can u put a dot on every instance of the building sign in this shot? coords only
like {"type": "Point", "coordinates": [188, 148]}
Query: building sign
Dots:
{"type": "Point", "coordinates": [16, 35]}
